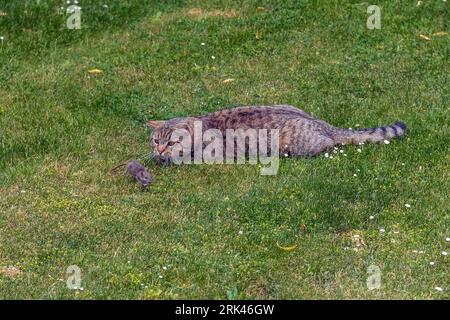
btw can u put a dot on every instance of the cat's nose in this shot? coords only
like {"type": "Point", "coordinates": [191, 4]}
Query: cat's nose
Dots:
{"type": "Point", "coordinates": [160, 149]}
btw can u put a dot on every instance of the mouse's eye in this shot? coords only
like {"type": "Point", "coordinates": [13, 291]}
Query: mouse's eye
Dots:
{"type": "Point", "coordinates": [171, 143]}
{"type": "Point", "coordinates": [156, 141]}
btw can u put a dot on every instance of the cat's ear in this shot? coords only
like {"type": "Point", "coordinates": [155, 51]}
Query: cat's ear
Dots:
{"type": "Point", "coordinates": [155, 123]}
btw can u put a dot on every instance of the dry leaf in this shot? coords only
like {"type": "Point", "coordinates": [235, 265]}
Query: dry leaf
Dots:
{"type": "Point", "coordinates": [198, 13]}
{"type": "Point", "coordinates": [424, 37]}
{"type": "Point", "coordinates": [224, 14]}
{"type": "Point", "coordinates": [440, 33]}
{"type": "Point", "coordinates": [95, 71]}
{"type": "Point", "coordinates": [288, 248]}
{"type": "Point", "coordinates": [228, 80]}
{"type": "Point", "coordinates": [357, 239]}
{"type": "Point", "coordinates": [10, 271]}
{"type": "Point", "coordinates": [258, 35]}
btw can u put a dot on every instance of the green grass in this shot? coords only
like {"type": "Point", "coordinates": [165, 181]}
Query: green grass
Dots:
{"type": "Point", "coordinates": [211, 231]}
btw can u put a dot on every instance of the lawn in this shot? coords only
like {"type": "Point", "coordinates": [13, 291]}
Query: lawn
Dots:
{"type": "Point", "coordinates": [74, 103]}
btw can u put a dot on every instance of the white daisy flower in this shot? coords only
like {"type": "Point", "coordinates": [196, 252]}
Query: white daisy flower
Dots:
{"type": "Point", "coordinates": [444, 253]}
{"type": "Point", "coordinates": [438, 289]}
{"type": "Point", "coordinates": [386, 141]}
{"type": "Point", "coordinates": [407, 205]}
{"type": "Point", "coordinates": [382, 230]}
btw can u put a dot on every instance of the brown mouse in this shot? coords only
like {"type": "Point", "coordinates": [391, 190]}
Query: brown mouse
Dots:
{"type": "Point", "coordinates": [138, 172]}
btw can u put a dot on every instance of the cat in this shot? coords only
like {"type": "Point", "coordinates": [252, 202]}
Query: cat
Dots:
{"type": "Point", "coordinates": [300, 134]}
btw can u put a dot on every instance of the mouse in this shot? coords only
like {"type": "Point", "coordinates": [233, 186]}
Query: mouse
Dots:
{"type": "Point", "coordinates": [138, 172]}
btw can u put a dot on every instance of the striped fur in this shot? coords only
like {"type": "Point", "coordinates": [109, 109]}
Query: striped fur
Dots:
{"type": "Point", "coordinates": [377, 134]}
{"type": "Point", "coordinates": [300, 133]}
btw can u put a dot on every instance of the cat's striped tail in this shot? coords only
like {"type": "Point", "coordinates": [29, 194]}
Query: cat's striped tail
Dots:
{"type": "Point", "coordinates": [379, 134]}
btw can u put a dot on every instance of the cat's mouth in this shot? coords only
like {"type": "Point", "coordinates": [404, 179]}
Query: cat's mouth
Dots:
{"type": "Point", "coordinates": [163, 160]}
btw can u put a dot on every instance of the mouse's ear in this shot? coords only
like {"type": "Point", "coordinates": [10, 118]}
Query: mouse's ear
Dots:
{"type": "Point", "coordinates": [155, 123]}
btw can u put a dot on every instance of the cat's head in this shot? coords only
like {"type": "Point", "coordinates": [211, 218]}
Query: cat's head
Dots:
{"type": "Point", "coordinates": [162, 140]}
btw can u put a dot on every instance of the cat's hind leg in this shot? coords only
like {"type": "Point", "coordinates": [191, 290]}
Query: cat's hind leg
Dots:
{"type": "Point", "coordinates": [313, 146]}
{"type": "Point", "coordinates": [324, 143]}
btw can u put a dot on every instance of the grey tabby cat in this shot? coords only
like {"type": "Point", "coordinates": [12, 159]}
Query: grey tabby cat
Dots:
{"type": "Point", "coordinates": [300, 133]}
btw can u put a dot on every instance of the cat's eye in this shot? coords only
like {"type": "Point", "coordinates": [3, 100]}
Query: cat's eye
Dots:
{"type": "Point", "coordinates": [156, 141]}
{"type": "Point", "coordinates": [171, 143]}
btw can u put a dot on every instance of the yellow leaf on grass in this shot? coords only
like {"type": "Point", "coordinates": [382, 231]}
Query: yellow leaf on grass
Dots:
{"type": "Point", "coordinates": [287, 248]}
{"type": "Point", "coordinates": [95, 71]}
{"type": "Point", "coordinates": [440, 33]}
{"type": "Point", "coordinates": [228, 80]}
{"type": "Point", "coordinates": [424, 37]}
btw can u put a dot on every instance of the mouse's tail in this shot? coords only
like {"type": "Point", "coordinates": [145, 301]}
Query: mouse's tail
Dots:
{"type": "Point", "coordinates": [116, 167]}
